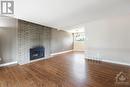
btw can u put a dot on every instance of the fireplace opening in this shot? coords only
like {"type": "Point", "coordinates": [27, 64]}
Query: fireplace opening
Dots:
{"type": "Point", "coordinates": [37, 52]}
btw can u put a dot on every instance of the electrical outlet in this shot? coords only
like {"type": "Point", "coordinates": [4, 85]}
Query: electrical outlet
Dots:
{"type": "Point", "coordinates": [0, 59]}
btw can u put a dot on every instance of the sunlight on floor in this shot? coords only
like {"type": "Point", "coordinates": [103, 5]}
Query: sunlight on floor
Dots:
{"type": "Point", "coordinates": [79, 68]}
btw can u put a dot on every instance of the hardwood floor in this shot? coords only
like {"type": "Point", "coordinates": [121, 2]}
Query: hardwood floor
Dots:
{"type": "Point", "coordinates": [65, 70]}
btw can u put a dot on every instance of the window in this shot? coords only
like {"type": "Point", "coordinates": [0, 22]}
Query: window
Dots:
{"type": "Point", "coordinates": [79, 36]}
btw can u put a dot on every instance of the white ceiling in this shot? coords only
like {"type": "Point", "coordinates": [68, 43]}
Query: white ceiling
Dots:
{"type": "Point", "coordinates": [76, 30]}
{"type": "Point", "coordinates": [65, 14]}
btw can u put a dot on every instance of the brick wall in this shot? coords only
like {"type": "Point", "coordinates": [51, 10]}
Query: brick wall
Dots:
{"type": "Point", "coordinates": [31, 35]}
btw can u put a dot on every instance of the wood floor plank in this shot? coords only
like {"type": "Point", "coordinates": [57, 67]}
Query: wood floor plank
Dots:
{"type": "Point", "coordinates": [65, 70]}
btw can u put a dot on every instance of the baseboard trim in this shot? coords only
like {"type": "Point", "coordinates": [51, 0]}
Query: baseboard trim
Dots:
{"type": "Point", "coordinates": [115, 62]}
{"type": "Point", "coordinates": [53, 54]}
{"type": "Point", "coordinates": [8, 64]}
{"type": "Point", "coordinates": [110, 61]}
{"type": "Point", "coordinates": [44, 58]}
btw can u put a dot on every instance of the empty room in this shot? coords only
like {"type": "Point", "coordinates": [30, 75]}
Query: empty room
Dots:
{"type": "Point", "coordinates": [64, 43]}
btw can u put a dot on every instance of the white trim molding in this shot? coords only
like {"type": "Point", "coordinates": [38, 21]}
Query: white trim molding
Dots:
{"type": "Point", "coordinates": [116, 62]}
{"type": "Point", "coordinates": [8, 64]}
{"type": "Point", "coordinates": [109, 61]}
{"type": "Point", "coordinates": [53, 54]}
{"type": "Point", "coordinates": [50, 56]}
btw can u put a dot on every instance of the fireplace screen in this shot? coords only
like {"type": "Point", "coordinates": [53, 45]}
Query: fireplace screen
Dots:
{"type": "Point", "coordinates": [36, 53]}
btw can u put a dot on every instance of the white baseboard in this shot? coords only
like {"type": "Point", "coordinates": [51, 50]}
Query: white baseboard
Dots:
{"type": "Point", "coordinates": [110, 61]}
{"type": "Point", "coordinates": [50, 56]}
{"type": "Point", "coordinates": [8, 64]}
{"type": "Point", "coordinates": [53, 54]}
{"type": "Point", "coordinates": [115, 62]}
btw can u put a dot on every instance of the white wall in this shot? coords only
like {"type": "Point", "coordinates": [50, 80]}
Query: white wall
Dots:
{"type": "Point", "coordinates": [8, 39]}
{"type": "Point", "coordinates": [61, 41]}
{"type": "Point", "coordinates": [79, 46]}
{"type": "Point", "coordinates": [8, 44]}
{"type": "Point", "coordinates": [109, 39]}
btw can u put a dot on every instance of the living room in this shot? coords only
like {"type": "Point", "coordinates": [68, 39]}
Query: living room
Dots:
{"type": "Point", "coordinates": [65, 43]}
